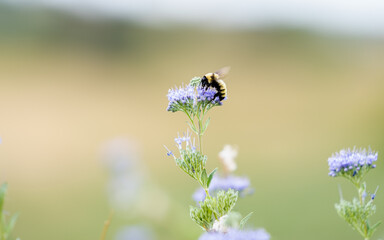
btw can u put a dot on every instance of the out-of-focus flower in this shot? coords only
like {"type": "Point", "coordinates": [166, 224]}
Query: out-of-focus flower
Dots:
{"type": "Point", "coordinates": [120, 155]}
{"type": "Point", "coordinates": [258, 234]}
{"type": "Point", "coordinates": [227, 157]}
{"type": "Point", "coordinates": [135, 233]}
{"type": "Point", "coordinates": [219, 225]}
{"type": "Point", "coordinates": [218, 183]}
{"type": "Point", "coordinates": [351, 163]}
{"type": "Point", "coordinates": [126, 175]}
{"type": "Point", "coordinates": [130, 191]}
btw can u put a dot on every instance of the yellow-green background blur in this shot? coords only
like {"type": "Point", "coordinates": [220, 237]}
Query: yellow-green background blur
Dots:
{"type": "Point", "coordinates": [69, 84]}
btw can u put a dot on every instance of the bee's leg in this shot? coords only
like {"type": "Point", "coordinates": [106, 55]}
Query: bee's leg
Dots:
{"type": "Point", "coordinates": [216, 95]}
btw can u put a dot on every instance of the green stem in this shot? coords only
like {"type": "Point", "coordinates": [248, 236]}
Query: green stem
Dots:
{"type": "Point", "coordinates": [106, 226]}
{"type": "Point", "coordinates": [200, 140]}
{"type": "Point", "coordinates": [199, 132]}
{"type": "Point", "coordinates": [192, 122]}
{"type": "Point", "coordinates": [360, 193]}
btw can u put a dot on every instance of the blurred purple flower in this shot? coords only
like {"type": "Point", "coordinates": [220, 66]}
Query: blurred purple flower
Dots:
{"type": "Point", "coordinates": [135, 233]}
{"type": "Point", "coordinates": [223, 183]}
{"type": "Point", "coordinates": [126, 175]}
{"type": "Point", "coordinates": [259, 234]}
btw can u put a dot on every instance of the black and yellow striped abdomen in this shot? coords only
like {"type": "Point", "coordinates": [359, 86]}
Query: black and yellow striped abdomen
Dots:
{"type": "Point", "coordinates": [223, 89]}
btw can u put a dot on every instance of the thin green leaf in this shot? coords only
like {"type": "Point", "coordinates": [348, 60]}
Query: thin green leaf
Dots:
{"type": "Point", "coordinates": [373, 228]}
{"type": "Point", "coordinates": [245, 220]}
{"type": "Point", "coordinates": [204, 178]}
{"type": "Point", "coordinates": [193, 128]}
{"type": "Point", "coordinates": [3, 191]}
{"type": "Point", "coordinates": [210, 177]}
{"type": "Point", "coordinates": [11, 224]}
{"type": "Point", "coordinates": [206, 125]}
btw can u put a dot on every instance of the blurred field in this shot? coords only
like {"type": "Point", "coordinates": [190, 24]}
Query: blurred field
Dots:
{"type": "Point", "coordinates": [69, 84]}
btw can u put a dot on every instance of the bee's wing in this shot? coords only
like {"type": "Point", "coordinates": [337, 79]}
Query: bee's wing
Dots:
{"type": "Point", "coordinates": [222, 72]}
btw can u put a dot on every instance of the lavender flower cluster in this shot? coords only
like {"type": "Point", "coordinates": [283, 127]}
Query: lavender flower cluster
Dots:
{"type": "Point", "coordinates": [351, 162]}
{"type": "Point", "coordinates": [179, 97]}
{"type": "Point", "coordinates": [186, 97]}
{"type": "Point", "coordinates": [208, 95]}
{"type": "Point", "coordinates": [223, 183]}
{"type": "Point", "coordinates": [259, 234]}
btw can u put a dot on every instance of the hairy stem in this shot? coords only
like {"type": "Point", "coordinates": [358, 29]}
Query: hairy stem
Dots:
{"type": "Point", "coordinates": [361, 198]}
{"type": "Point", "coordinates": [106, 226]}
{"type": "Point", "coordinates": [200, 138]}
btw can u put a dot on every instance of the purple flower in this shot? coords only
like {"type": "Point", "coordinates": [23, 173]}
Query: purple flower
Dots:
{"type": "Point", "coordinates": [186, 98]}
{"type": "Point", "coordinates": [185, 138]}
{"type": "Point", "coordinates": [259, 234]}
{"type": "Point", "coordinates": [180, 97]}
{"type": "Point", "coordinates": [351, 162]}
{"type": "Point", "coordinates": [223, 183]}
{"type": "Point", "coordinates": [136, 233]}
{"type": "Point", "coordinates": [126, 173]}
{"type": "Point", "coordinates": [373, 196]}
{"type": "Point", "coordinates": [207, 95]}
{"type": "Point", "coordinates": [364, 195]}
{"type": "Point", "coordinates": [188, 142]}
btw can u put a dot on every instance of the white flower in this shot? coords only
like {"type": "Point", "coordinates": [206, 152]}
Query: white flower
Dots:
{"type": "Point", "coordinates": [219, 225]}
{"type": "Point", "coordinates": [227, 156]}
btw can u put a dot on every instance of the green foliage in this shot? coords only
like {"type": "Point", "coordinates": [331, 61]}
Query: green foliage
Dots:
{"type": "Point", "coordinates": [357, 178]}
{"type": "Point", "coordinates": [356, 213]}
{"type": "Point", "coordinates": [192, 162]}
{"type": "Point", "coordinates": [226, 201]}
{"type": "Point", "coordinates": [204, 216]}
{"type": "Point", "coordinates": [6, 227]}
{"type": "Point", "coordinates": [210, 177]}
{"type": "Point", "coordinates": [3, 190]}
{"type": "Point", "coordinates": [245, 220]}
{"type": "Point", "coordinates": [213, 208]}
{"type": "Point", "coordinates": [195, 81]}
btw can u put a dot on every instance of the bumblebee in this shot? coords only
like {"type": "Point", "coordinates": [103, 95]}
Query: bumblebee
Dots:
{"type": "Point", "coordinates": [214, 80]}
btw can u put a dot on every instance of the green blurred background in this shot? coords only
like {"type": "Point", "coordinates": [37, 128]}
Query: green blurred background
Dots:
{"type": "Point", "coordinates": [69, 84]}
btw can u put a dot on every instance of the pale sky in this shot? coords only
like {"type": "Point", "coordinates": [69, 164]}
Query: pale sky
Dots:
{"type": "Point", "coordinates": [345, 16]}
